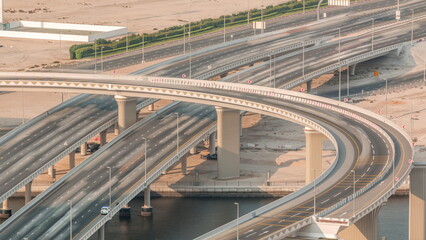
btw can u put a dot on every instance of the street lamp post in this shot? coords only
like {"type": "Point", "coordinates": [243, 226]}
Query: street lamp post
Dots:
{"type": "Point", "coordinates": [340, 73]}
{"type": "Point", "coordinates": [102, 60]}
{"type": "Point", "coordinates": [372, 35]}
{"type": "Point", "coordinates": [190, 61]}
{"type": "Point", "coordinates": [224, 28]}
{"type": "Point", "coordinates": [353, 205]}
{"type": "Point", "coordinates": [96, 60]}
{"type": "Point", "coordinates": [274, 70]}
{"type": "Point", "coordinates": [412, 27]}
{"type": "Point", "coordinates": [70, 203]}
{"type": "Point", "coordinates": [303, 59]}
{"type": "Point", "coordinates": [145, 159]}
{"type": "Point", "coordinates": [238, 216]}
{"type": "Point", "coordinates": [109, 172]}
{"type": "Point", "coordinates": [315, 194]}
{"type": "Point", "coordinates": [318, 10]}
{"type": "Point", "coordinates": [386, 98]}
{"type": "Point", "coordinates": [347, 81]}
{"type": "Point", "coordinates": [261, 17]}
{"type": "Point", "coordinates": [143, 48]}
{"type": "Point", "coordinates": [177, 133]}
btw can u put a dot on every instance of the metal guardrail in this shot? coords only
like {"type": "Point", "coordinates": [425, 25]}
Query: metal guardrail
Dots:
{"type": "Point", "coordinates": [343, 63]}
{"type": "Point", "coordinates": [68, 150]}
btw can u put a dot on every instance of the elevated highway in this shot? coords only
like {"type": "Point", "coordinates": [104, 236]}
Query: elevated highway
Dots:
{"type": "Point", "coordinates": [327, 116]}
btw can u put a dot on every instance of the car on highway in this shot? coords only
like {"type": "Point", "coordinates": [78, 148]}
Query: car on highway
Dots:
{"type": "Point", "coordinates": [104, 210]}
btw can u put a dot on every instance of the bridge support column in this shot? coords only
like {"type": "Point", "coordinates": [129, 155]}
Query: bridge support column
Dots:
{"type": "Point", "coordinates": [28, 192]}
{"type": "Point", "coordinates": [146, 210]}
{"type": "Point", "coordinates": [241, 125]}
{"type": "Point", "coordinates": [417, 213]}
{"type": "Point", "coordinates": [313, 154]}
{"type": "Point", "coordinates": [116, 129]}
{"type": "Point", "coordinates": [228, 143]}
{"type": "Point", "coordinates": [102, 138]}
{"type": "Point", "coordinates": [52, 171]}
{"type": "Point", "coordinates": [83, 149]}
{"type": "Point", "coordinates": [308, 86]}
{"type": "Point", "coordinates": [193, 151]}
{"type": "Point", "coordinates": [101, 233]}
{"type": "Point", "coordinates": [126, 112]}
{"type": "Point", "coordinates": [212, 143]}
{"type": "Point", "coordinates": [352, 70]}
{"type": "Point", "coordinates": [71, 159]}
{"type": "Point", "coordinates": [5, 211]}
{"type": "Point", "coordinates": [364, 229]}
{"type": "Point", "coordinates": [151, 107]}
{"type": "Point", "coordinates": [126, 118]}
{"type": "Point", "coordinates": [184, 164]}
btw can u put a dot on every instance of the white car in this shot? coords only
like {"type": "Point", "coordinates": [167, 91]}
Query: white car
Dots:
{"type": "Point", "coordinates": [104, 210]}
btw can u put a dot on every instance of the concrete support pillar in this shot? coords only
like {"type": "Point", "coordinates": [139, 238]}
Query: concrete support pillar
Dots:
{"type": "Point", "coordinates": [101, 233]}
{"type": "Point", "coordinates": [83, 149]}
{"type": "Point", "coordinates": [309, 86]}
{"type": "Point", "coordinates": [228, 143]}
{"type": "Point", "coordinates": [183, 163]}
{"type": "Point", "coordinates": [193, 150]}
{"type": "Point", "coordinates": [52, 171]}
{"type": "Point", "coordinates": [212, 143]}
{"type": "Point", "coordinates": [313, 154]}
{"type": "Point", "coordinates": [126, 112]}
{"type": "Point", "coordinates": [102, 138]}
{"type": "Point", "coordinates": [151, 107]}
{"type": "Point", "coordinates": [5, 211]}
{"type": "Point", "coordinates": [126, 118]}
{"type": "Point", "coordinates": [116, 129]}
{"type": "Point", "coordinates": [352, 70]}
{"type": "Point", "coordinates": [28, 192]}
{"type": "Point", "coordinates": [71, 159]}
{"type": "Point", "coordinates": [364, 229]}
{"type": "Point", "coordinates": [417, 212]}
{"type": "Point", "coordinates": [146, 210]}
{"type": "Point", "coordinates": [241, 125]}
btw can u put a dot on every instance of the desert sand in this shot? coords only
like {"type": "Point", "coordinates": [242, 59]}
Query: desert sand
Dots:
{"type": "Point", "coordinates": [144, 16]}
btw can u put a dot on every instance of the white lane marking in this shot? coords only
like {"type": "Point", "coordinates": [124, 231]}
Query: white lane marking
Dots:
{"type": "Point", "coordinates": [265, 232]}
{"type": "Point", "coordinates": [325, 201]}
{"type": "Point", "coordinates": [336, 195]}
{"type": "Point", "coordinates": [266, 227]}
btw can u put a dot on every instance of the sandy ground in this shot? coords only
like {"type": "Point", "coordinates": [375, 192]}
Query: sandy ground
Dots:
{"type": "Point", "coordinates": [138, 16]}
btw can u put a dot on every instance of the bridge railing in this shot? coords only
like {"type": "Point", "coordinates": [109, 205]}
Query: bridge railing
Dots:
{"type": "Point", "coordinates": [67, 148]}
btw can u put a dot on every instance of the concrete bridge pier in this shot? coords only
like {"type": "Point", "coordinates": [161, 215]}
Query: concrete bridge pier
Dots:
{"type": "Point", "coordinates": [313, 154]}
{"type": "Point", "coordinates": [52, 171]}
{"type": "Point", "coordinates": [101, 233]}
{"type": "Point", "coordinates": [184, 164]}
{"type": "Point", "coordinates": [102, 138]}
{"type": "Point", "coordinates": [212, 143]}
{"type": "Point", "coordinates": [116, 129]}
{"type": "Point", "coordinates": [228, 143]}
{"type": "Point", "coordinates": [352, 70]}
{"type": "Point", "coordinates": [1, 13]}
{"type": "Point", "coordinates": [364, 229]}
{"type": "Point", "coordinates": [151, 107]}
{"type": "Point", "coordinates": [417, 212]}
{"type": "Point", "coordinates": [71, 159]}
{"type": "Point", "coordinates": [146, 210]}
{"type": "Point", "coordinates": [241, 125]}
{"type": "Point", "coordinates": [126, 118]}
{"type": "Point", "coordinates": [28, 192]}
{"type": "Point", "coordinates": [193, 150]}
{"type": "Point", "coordinates": [126, 112]}
{"type": "Point", "coordinates": [308, 86]}
{"type": "Point", "coordinates": [5, 211]}
{"type": "Point", "coordinates": [83, 149]}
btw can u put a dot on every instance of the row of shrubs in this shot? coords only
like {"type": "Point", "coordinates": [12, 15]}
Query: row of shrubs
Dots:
{"type": "Point", "coordinates": [133, 41]}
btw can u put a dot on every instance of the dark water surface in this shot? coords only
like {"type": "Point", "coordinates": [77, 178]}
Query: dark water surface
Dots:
{"type": "Point", "coordinates": [187, 218]}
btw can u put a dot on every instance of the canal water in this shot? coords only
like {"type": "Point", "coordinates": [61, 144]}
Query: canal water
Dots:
{"type": "Point", "coordinates": [187, 218]}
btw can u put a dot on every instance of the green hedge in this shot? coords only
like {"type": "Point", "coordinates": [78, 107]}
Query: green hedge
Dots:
{"type": "Point", "coordinates": [202, 26]}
